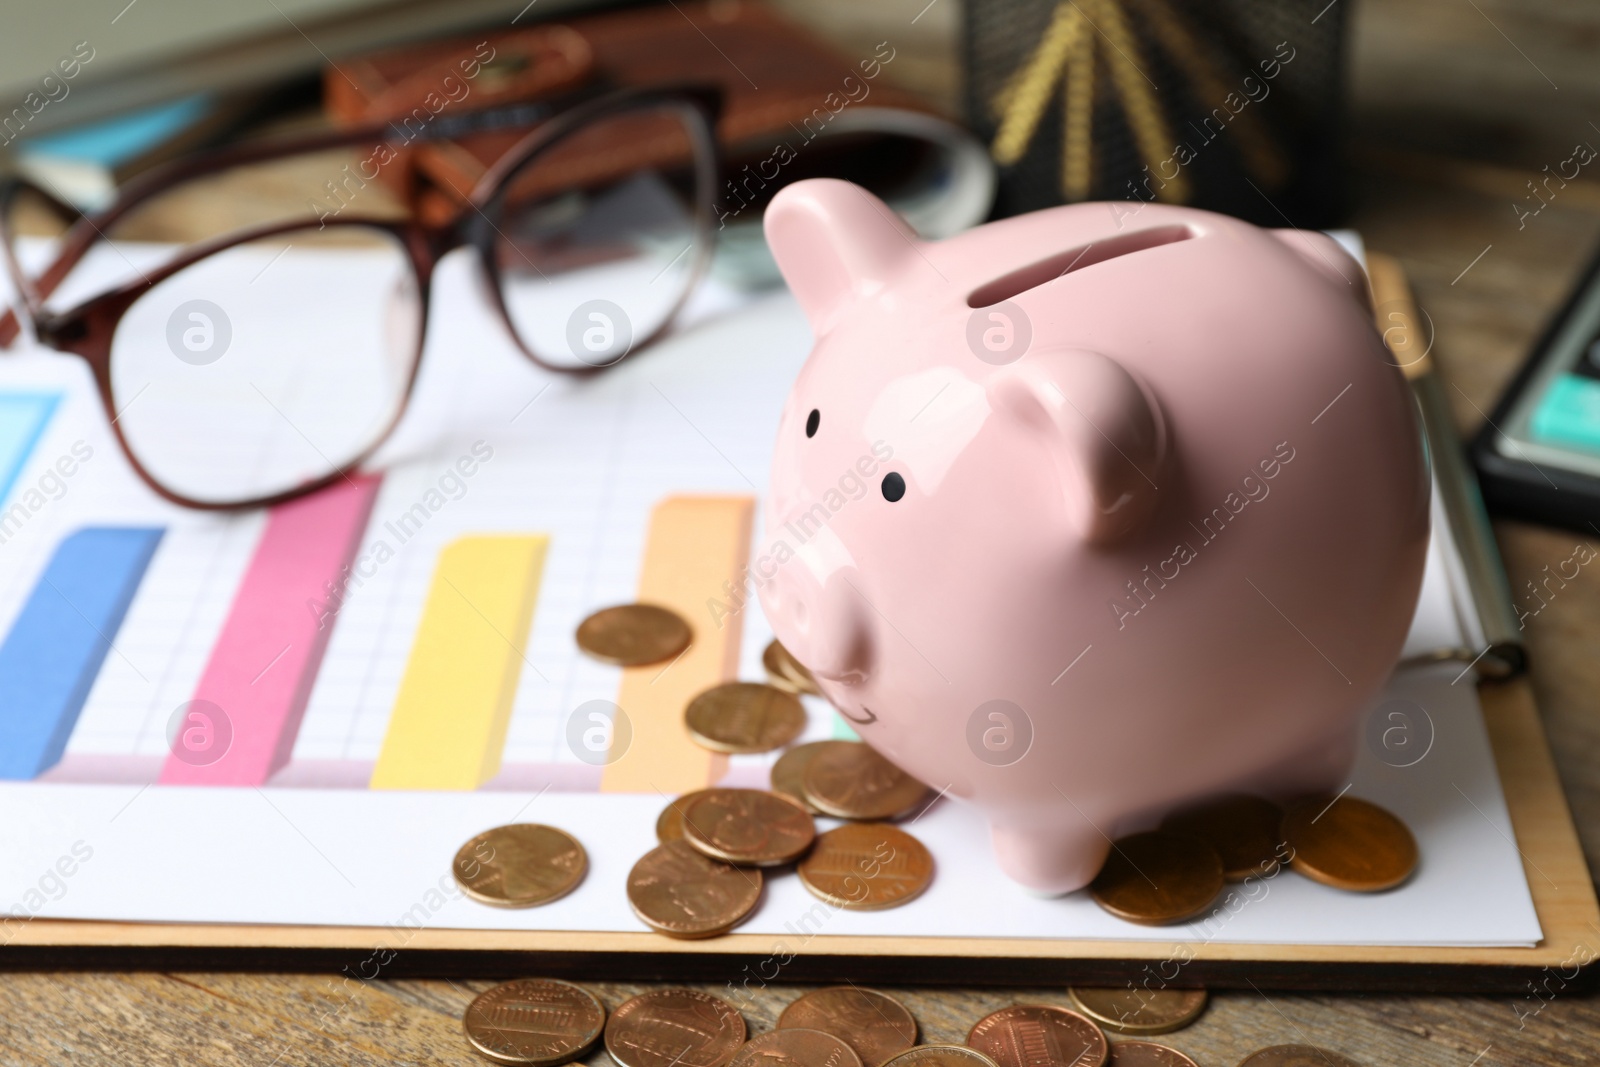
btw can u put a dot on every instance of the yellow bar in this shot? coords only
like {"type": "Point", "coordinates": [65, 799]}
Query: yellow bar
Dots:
{"type": "Point", "coordinates": [695, 544]}
{"type": "Point", "coordinates": [449, 722]}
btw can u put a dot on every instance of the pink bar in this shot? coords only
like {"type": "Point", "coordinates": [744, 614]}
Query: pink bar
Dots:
{"type": "Point", "coordinates": [266, 658]}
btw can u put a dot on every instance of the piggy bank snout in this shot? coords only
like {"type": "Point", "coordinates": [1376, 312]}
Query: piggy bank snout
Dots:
{"type": "Point", "coordinates": [820, 621]}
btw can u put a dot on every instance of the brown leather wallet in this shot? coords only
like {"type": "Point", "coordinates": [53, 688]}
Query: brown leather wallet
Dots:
{"type": "Point", "coordinates": [782, 86]}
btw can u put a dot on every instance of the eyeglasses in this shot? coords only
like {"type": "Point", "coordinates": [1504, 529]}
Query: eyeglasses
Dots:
{"type": "Point", "coordinates": [271, 359]}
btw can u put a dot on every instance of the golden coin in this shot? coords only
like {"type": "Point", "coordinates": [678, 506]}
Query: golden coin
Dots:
{"type": "Point", "coordinates": [796, 1048]}
{"type": "Point", "coordinates": [875, 1025]}
{"type": "Point", "coordinates": [669, 824]}
{"type": "Point", "coordinates": [1349, 844]}
{"type": "Point", "coordinates": [1126, 1010]}
{"type": "Point", "coordinates": [745, 717]}
{"type": "Point", "coordinates": [750, 827]}
{"type": "Point", "coordinates": [1296, 1056]}
{"type": "Point", "coordinates": [674, 1028]}
{"type": "Point", "coordinates": [520, 865]}
{"type": "Point", "coordinates": [867, 866]}
{"type": "Point", "coordinates": [1156, 878]}
{"type": "Point", "coordinates": [1147, 1054]}
{"type": "Point", "coordinates": [1245, 831]}
{"type": "Point", "coordinates": [538, 1022]}
{"type": "Point", "coordinates": [850, 780]}
{"type": "Point", "coordinates": [941, 1056]}
{"type": "Point", "coordinates": [786, 672]}
{"type": "Point", "coordinates": [632, 635]}
{"type": "Point", "coordinates": [1039, 1035]}
{"type": "Point", "coordinates": [681, 893]}
{"type": "Point", "coordinates": [788, 771]}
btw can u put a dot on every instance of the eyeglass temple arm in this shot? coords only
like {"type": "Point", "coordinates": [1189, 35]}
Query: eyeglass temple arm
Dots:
{"type": "Point", "coordinates": [32, 292]}
{"type": "Point", "coordinates": [86, 229]}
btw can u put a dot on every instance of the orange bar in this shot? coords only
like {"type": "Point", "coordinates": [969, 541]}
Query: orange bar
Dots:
{"type": "Point", "coordinates": [695, 544]}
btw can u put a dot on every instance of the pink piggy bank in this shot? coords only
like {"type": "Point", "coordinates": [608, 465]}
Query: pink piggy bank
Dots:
{"type": "Point", "coordinates": [1091, 513]}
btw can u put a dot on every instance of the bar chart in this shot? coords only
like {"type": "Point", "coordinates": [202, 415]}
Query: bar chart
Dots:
{"type": "Point", "coordinates": [404, 630]}
{"type": "Point", "coordinates": [408, 629]}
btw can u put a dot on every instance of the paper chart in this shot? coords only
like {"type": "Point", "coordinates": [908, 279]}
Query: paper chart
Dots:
{"type": "Point", "coordinates": [393, 663]}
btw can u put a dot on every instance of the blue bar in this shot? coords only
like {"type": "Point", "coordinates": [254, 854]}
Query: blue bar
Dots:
{"type": "Point", "coordinates": [23, 417]}
{"type": "Point", "coordinates": [50, 658]}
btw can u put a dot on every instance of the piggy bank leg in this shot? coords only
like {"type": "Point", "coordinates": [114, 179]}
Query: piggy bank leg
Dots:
{"type": "Point", "coordinates": [1050, 859]}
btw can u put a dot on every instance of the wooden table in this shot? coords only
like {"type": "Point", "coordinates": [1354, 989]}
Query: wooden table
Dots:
{"type": "Point", "coordinates": [1437, 214]}
{"type": "Point", "coordinates": [1437, 217]}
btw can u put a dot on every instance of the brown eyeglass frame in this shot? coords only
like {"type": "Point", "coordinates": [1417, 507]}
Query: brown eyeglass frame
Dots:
{"type": "Point", "coordinates": [87, 329]}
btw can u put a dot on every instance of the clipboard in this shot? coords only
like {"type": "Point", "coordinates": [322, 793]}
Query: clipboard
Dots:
{"type": "Point", "coordinates": [1557, 874]}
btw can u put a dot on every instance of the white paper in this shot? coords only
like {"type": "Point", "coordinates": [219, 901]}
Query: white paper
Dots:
{"type": "Point", "coordinates": [582, 461]}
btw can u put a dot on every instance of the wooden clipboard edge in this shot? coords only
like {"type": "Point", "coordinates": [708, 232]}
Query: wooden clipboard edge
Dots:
{"type": "Point", "coordinates": [1558, 877]}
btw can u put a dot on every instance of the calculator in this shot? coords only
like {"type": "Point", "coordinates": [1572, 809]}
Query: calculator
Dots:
{"type": "Point", "coordinates": [1538, 454]}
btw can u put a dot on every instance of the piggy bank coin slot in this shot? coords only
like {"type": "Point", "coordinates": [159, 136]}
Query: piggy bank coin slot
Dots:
{"type": "Point", "coordinates": [1052, 267]}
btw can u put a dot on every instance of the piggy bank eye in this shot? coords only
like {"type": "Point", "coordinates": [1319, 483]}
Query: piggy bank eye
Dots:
{"type": "Point", "coordinates": [813, 420]}
{"type": "Point", "coordinates": [894, 487]}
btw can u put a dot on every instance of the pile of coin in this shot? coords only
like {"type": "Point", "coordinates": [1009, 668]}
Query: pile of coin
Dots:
{"type": "Point", "coordinates": [1176, 872]}
{"type": "Point", "coordinates": [545, 1023]}
{"type": "Point", "coordinates": [716, 845]}
{"type": "Point", "coordinates": [707, 874]}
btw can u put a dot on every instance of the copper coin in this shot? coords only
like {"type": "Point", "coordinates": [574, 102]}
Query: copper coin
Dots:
{"type": "Point", "coordinates": [681, 893]}
{"type": "Point", "coordinates": [1156, 878]}
{"type": "Point", "coordinates": [669, 824]}
{"type": "Point", "coordinates": [1039, 1035]}
{"type": "Point", "coordinates": [538, 1022]}
{"type": "Point", "coordinates": [875, 1025]}
{"type": "Point", "coordinates": [867, 866]}
{"type": "Point", "coordinates": [796, 1048]}
{"type": "Point", "coordinates": [1349, 844]}
{"type": "Point", "coordinates": [1243, 829]}
{"type": "Point", "coordinates": [520, 865]}
{"type": "Point", "coordinates": [1147, 1054]}
{"type": "Point", "coordinates": [1126, 1010]}
{"type": "Point", "coordinates": [674, 1028]}
{"type": "Point", "coordinates": [850, 780]}
{"type": "Point", "coordinates": [786, 672]}
{"type": "Point", "coordinates": [1296, 1056]}
{"type": "Point", "coordinates": [941, 1056]}
{"type": "Point", "coordinates": [745, 717]}
{"type": "Point", "coordinates": [632, 635]}
{"type": "Point", "coordinates": [750, 827]}
{"type": "Point", "coordinates": [787, 773]}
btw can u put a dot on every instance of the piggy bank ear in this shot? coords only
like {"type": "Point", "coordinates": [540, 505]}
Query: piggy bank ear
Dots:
{"type": "Point", "coordinates": [1103, 429]}
{"type": "Point", "coordinates": [835, 243]}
